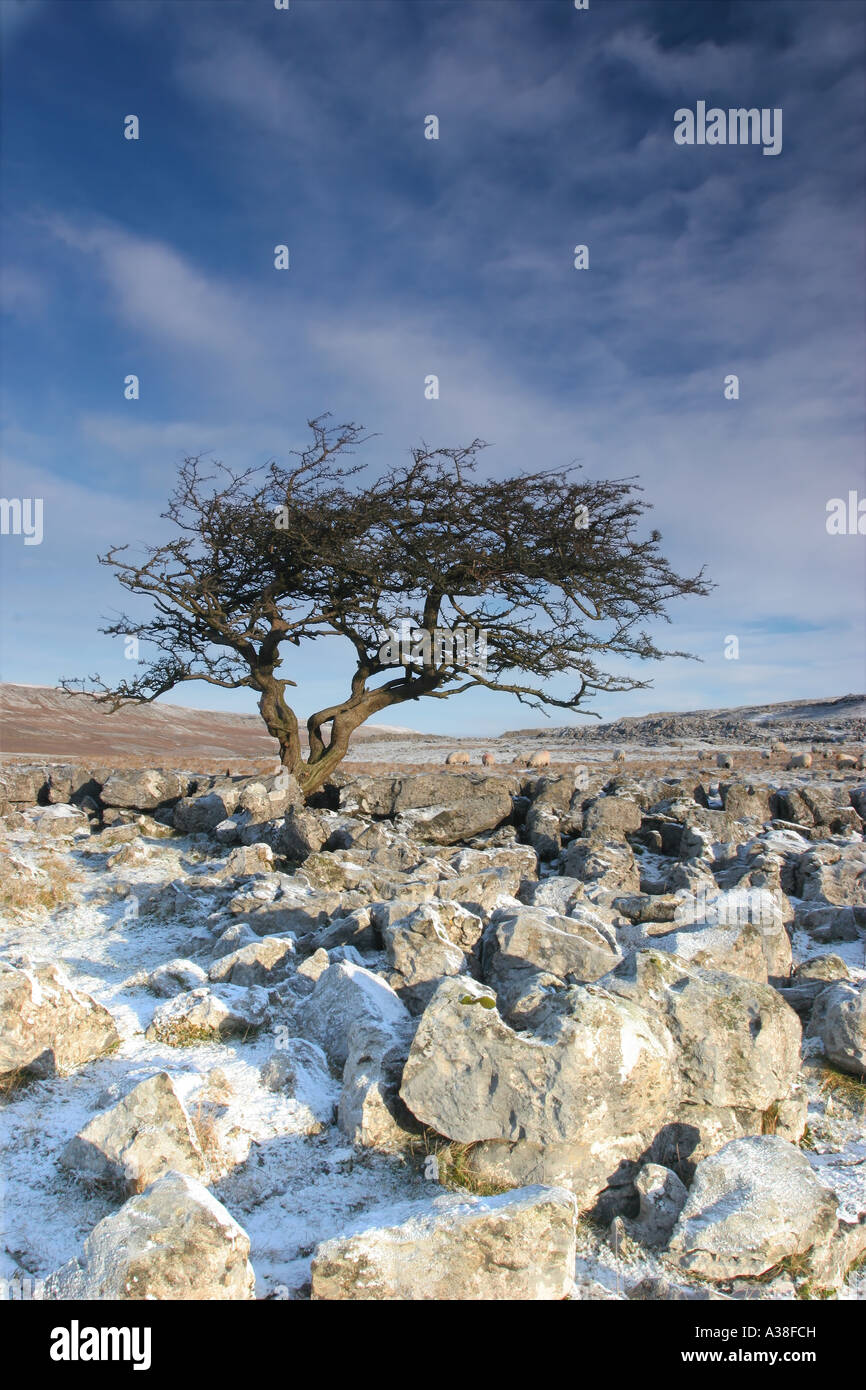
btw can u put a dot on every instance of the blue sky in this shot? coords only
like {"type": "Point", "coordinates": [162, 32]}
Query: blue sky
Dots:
{"type": "Point", "coordinates": [454, 257]}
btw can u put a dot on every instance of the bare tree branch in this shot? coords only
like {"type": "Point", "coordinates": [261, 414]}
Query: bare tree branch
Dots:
{"type": "Point", "coordinates": [549, 565]}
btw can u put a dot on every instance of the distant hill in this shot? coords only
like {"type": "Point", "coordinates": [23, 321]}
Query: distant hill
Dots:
{"type": "Point", "coordinates": [41, 722]}
{"type": "Point", "coordinates": [832, 719]}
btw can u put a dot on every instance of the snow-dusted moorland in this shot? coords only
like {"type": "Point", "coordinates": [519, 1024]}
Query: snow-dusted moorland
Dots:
{"type": "Point", "coordinates": [459, 1033]}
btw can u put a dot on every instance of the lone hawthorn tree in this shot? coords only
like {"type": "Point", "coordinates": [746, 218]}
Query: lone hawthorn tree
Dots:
{"type": "Point", "coordinates": [546, 565]}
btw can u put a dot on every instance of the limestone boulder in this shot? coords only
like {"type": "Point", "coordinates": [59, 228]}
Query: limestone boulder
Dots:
{"type": "Point", "coordinates": [833, 874]}
{"type": "Point", "coordinates": [207, 1014]}
{"type": "Point", "coordinates": [737, 1042]}
{"type": "Point", "coordinates": [304, 833]}
{"type": "Point", "coordinates": [737, 950]}
{"type": "Point", "coordinates": [611, 864]}
{"type": "Point", "coordinates": [299, 1069]}
{"type": "Point", "coordinates": [559, 891]}
{"type": "Point", "coordinates": [611, 818]}
{"type": "Point", "coordinates": [518, 1246]}
{"type": "Point", "coordinates": [237, 935]}
{"type": "Point", "coordinates": [173, 1241]}
{"type": "Point", "coordinates": [598, 1068]}
{"type": "Point", "coordinates": [264, 962]}
{"type": "Point", "coordinates": [203, 812]}
{"type": "Point", "coordinates": [661, 1198]}
{"type": "Point", "coordinates": [839, 1021]}
{"type": "Point", "coordinates": [825, 924]}
{"type": "Point", "coordinates": [446, 808]}
{"type": "Point", "coordinates": [357, 928]}
{"type": "Point", "coordinates": [47, 1025]}
{"type": "Point", "coordinates": [743, 929]}
{"type": "Point", "coordinates": [370, 1111]}
{"type": "Point", "coordinates": [744, 801]}
{"type": "Point", "coordinates": [175, 977]}
{"type": "Point", "coordinates": [810, 978]}
{"type": "Point", "coordinates": [751, 1205]}
{"type": "Point", "coordinates": [59, 822]}
{"type": "Point", "coordinates": [420, 954]}
{"type": "Point", "coordinates": [520, 858]}
{"type": "Point", "coordinates": [343, 995]}
{"type": "Point", "coordinates": [146, 1134]}
{"type": "Point", "coordinates": [520, 942]}
{"type": "Point", "coordinates": [268, 798]}
{"type": "Point", "coordinates": [143, 789]}
{"type": "Point", "coordinates": [249, 861]}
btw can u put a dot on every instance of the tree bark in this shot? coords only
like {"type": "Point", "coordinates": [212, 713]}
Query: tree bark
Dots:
{"type": "Point", "coordinates": [280, 720]}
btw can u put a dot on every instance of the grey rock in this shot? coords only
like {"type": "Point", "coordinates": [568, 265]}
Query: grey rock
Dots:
{"type": "Point", "coordinates": [303, 834]}
{"type": "Point", "coordinates": [145, 1135]}
{"type": "Point", "coordinates": [249, 861]}
{"type": "Point", "coordinates": [518, 1246]}
{"type": "Point", "coordinates": [262, 962]}
{"type": "Point", "coordinates": [612, 863]}
{"type": "Point", "coordinates": [299, 1068]}
{"type": "Point", "coordinates": [610, 818]}
{"type": "Point", "coordinates": [833, 874]}
{"type": "Point", "coordinates": [175, 977]}
{"type": "Point", "coordinates": [143, 790]}
{"type": "Point", "coordinates": [208, 1014]}
{"type": "Point", "coordinates": [233, 938]}
{"type": "Point", "coordinates": [370, 1110]}
{"type": "Point", "coordinates": [445, 808]}
{"type": "Point", "coordinates": [173, 1241]}
{"type": "Point", "coordinates": [202, 814]}
{"type": "Point", "coordinates": [598, 1077]}
{"type": "Point", "coordinates": [662, 1197]}
{"type": "Point", "coordinates": [267, 798]}
{"type": "Point", "coordinates": [826, 924]}
{"type": "Point", "coordinates": [537, 939]}
{"type": "Point", "coordinates": [559, 891]}
{"type": "Point", "coordinates": [420, 953]}
{"type": "Point", "coordinates": [480, 892]}
{"type": "Point", "coordinates": [839, 1020]}
{"type": "Point", "coordinates": [315, 965]}
{"type": "Point", "coordinates": [744, 801]}
{"type": "Point", "coordinates": [357, 929]}
{"type": "Point", "coordinates": [751, 1205]}
{"type": "Point", "coordinates": [738, 1043]}
{"type": "Point", "coordinates": [809, 979]}
{"type": "Point", "coordinates": [343, 995]}
{"type": "Point", "coordinates": [47, 1025]}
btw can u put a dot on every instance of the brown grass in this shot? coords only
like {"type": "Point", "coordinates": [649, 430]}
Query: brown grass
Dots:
{"type": "Point", "coordinates": [808, 1139]}
{"type": "Point", "coordinates": [182, 1034]}
{"type": "Point", "coordinates": [205, 1129]}
{"type": "Point", "coordinates": [213, 1098]}
{"type": "Point", "coordinates": [51, 885]}
{"type": "Point", "coordinates": [849, 1090]}
{"type": "Point", "coordinates": [13, 1082]}
{"type": "Point", "coordinates": [770, 1119]}
{"type": "Point", "coordinates": [451, 1162]}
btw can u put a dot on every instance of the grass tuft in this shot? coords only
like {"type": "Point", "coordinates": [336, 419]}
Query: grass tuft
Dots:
{"type": "Point", "coordinates": [187, 1035]}
{"type": "Point", "coordinates": [808, 1140]}
{"type": "Point", "coordinates": [840, 1086]}
{"type": "Point", "coordinates": [453, 1170]}
{"type": "Point", "coordinates": [770, 1118]}
{"type": "Point", "coordinates": [49, 884]}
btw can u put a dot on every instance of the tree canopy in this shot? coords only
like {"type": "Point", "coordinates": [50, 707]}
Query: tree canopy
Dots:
{"type": "Point", "coordinates": [547, 566]}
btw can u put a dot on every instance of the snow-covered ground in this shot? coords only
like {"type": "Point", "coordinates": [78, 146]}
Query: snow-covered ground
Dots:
{"type": "Point", "coordinates": [295, 1188]}
{"type": "Point", "coordinates": [292, 1179]}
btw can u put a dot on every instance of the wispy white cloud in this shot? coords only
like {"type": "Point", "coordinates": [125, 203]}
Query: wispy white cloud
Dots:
{"type": "Point", "coordinates": [454, 258]}
{"type": "Point", "coordinates": [158, 291]}
{"type": "Point", "coordinates": [212, 324]}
